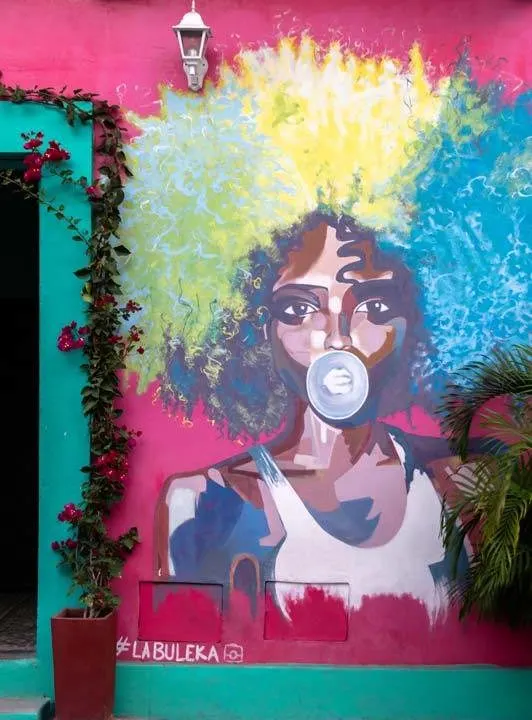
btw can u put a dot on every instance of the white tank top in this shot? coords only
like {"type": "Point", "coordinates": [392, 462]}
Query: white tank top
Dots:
{"type": "Point", "coordinates": [310, 555]}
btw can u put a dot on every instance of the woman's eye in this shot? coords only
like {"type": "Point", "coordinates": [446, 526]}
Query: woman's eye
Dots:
{"type": "Point", "coordinates": [372, 306]}
{"type": "Point", "coordinates": [299, 309]}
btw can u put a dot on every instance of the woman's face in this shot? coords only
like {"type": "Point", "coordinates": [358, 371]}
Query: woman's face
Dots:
{"type": "Point", "coordinates": [336, 295]}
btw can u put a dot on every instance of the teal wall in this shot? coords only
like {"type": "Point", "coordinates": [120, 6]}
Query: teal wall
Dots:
{"type": "Point", "coordinates": [167, 691]}
{"type": "Point", "coordinates": [323, 693]}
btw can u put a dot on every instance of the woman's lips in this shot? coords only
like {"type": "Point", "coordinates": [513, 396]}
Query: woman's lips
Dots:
{"type": "Point", "coordinates": [337, 385]}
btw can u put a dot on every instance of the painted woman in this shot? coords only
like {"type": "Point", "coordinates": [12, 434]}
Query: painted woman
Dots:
{"type": "Point", "coordinates": [339, 498]}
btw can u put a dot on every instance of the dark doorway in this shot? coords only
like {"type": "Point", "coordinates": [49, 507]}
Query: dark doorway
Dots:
{"type": "Point", "coordinates": [19, 367]}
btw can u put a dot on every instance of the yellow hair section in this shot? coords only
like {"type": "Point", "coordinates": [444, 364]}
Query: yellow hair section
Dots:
{"type": "Point", "coordinates": [347, 127]}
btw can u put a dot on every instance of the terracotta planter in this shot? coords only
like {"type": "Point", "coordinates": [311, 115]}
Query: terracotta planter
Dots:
{"type": "Point", "coordinates": [84, 655]}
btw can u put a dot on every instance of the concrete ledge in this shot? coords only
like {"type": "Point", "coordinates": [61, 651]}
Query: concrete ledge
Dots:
{"type": "Point", "coordinates": [30, 708]}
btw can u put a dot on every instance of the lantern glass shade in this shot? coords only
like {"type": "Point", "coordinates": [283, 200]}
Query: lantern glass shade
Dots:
{"type": "Point", "coordinates": [192, 43]}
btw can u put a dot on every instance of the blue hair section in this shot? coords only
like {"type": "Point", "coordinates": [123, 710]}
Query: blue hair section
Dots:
{"type": "Point", "coordinates": [469, 244]}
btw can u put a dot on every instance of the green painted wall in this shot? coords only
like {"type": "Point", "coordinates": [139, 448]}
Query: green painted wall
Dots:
{"type": "Point", "coordinates": [169, 691]}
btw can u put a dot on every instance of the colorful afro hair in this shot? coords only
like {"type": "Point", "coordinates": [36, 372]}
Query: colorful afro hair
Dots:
{"type": "Point", "coordinates": [439, 170]}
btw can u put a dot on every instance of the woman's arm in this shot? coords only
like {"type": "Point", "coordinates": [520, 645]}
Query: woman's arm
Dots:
{"type": "Point", "coordinates": [177, 503]}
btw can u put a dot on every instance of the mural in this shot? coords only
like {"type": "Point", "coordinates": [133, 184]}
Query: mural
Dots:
{"type": "Point", "coordinates": [318, 242]}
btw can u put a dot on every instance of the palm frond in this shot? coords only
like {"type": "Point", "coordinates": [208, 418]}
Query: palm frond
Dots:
{"type": "Point", "coordinates": [502, 374]}
{"type": "Point", "coordinates": [492, 497]}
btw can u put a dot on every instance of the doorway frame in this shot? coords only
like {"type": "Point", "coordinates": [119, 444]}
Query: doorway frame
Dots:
{"type": "Point", "coordinates": [63, 430]}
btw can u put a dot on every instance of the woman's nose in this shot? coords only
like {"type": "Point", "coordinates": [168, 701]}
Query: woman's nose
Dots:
{"type": "Point", "coordinates": [335, 339]}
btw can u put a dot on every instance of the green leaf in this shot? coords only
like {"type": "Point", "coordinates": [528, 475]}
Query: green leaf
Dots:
{"type": "Point", "coordinates": [121, 250]}
{"type": "Point", "coordinates": [82, 272]}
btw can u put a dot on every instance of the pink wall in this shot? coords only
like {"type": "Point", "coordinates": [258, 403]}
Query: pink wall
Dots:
{"type": "Point", "coordinates": [123, 50]}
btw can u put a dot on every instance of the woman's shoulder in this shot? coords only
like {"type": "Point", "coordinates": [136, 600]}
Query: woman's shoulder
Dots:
{"type": "Point", "coordinates": [237, 475]}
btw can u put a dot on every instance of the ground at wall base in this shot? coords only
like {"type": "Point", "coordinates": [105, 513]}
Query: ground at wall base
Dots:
{"type": "Point", "coordinates": [35, 708]}
{"type": "Point", "coordinates": [27, 708]}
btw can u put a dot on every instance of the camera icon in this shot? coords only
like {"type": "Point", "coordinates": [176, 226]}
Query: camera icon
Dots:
{"type": "Point", "coordinates": [233, 654]}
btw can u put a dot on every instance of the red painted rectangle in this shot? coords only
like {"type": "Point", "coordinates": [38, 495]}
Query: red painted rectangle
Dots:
{"type": "Point", "coordinates": [297, 611]}
{"type": "Point", "coordinates": [180, 612]}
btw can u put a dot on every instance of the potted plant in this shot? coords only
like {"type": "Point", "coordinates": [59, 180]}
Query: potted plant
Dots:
{"type": "Point", "coordinates": [84, 682]}
{"type": "Point", "coordinates": [84, 637]}
{"type": "Point", "coordinates": [494, 502]}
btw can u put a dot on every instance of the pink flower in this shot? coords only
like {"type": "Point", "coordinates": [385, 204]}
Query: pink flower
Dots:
{"type": "Point", "coordinates": [32, 144]}
{"type": "Point", "coordinates": [132, 306]}
{"type": "Point", "coordinates": [111, 473]}
{"type": "Point", "coordinates": [33, 140]}
{"type": "Point", "coordinates": [55, 153]}
{"type": "Point", "coordinates": [70, 513]}
{"type": "Point", "coordinates": [93, 191]}
{"type": "Point", "coordinates": [33, 161]}
{"type": "Point", "coordinates": [71, 338]}
{"type": "Point", "coordinates": [32, 175]}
